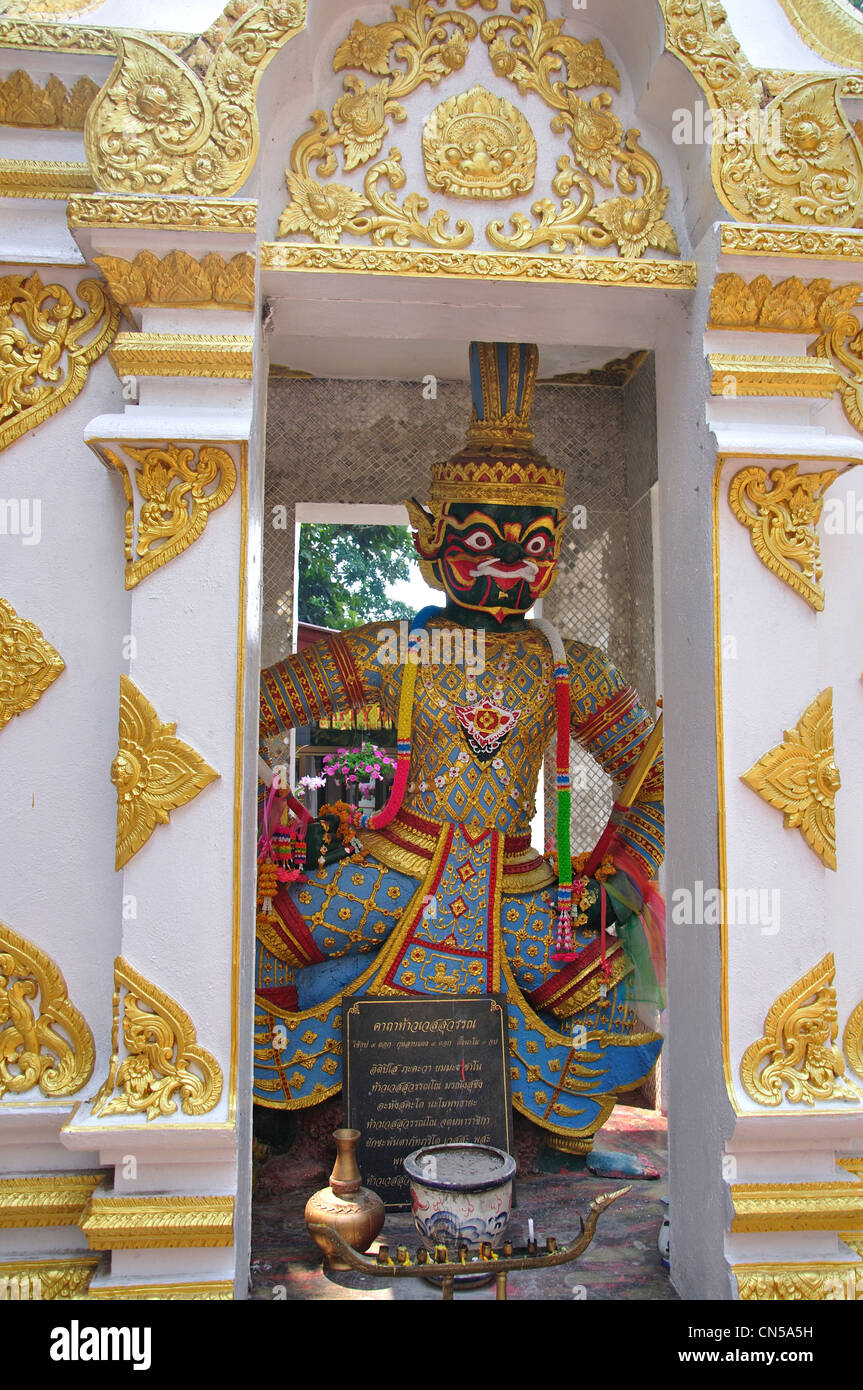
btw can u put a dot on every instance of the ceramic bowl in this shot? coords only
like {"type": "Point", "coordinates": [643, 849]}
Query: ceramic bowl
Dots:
{"type": "Point", "coordinates": [460, 1194]}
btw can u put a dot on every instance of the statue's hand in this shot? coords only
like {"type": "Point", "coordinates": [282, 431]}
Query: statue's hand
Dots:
{"type": "Point", "coordinates": [594, 908]}
{"type": "Point", "coordinates": [324, 843]}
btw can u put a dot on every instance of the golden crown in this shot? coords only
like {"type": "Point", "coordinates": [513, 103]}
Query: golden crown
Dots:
{"type": "Point", "coordinates": [499, 463]}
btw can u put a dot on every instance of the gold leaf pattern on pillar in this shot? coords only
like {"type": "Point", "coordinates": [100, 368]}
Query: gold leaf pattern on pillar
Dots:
{"type": "Point", "coordinates": [52, 107]}
{"type": "Point", "coordinates": [28, 664]}
{"type": "Point", "coordinates": [163, 1061]}
{"type": "Point", "coordinates": [44, 1041]}
{"type": "Point", "coordinates": [789, 306]}
{"type": "Point", "coordinates": [178, 485]}
{"type": "Point", "coordinates": [798, 1050]}
{"type": "Point", "coordinates": [179, 279]}
{"type": "Point", "coordinates": [154, 772]}
{"type": "Point", "coordinates": [47, 345]}
{"type": "Point", "coordinates": [782, 520]}
{"type": "Point", "coordinates": [852, 1039]}
{"type": "Point", "coordinates": [801, 779]}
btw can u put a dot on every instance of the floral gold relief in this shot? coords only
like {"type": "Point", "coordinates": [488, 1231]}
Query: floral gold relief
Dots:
{"type": "Point", "coordinates": [178, 278]}
{"type": "Point", "coordinates": [28, 664]}
{"type": "Point", "coordinates": [185, 214]}
{"type": "Point", "coordinates": [475, 144]}
{"type": "Point", "coordinates": [176, 487]}
{"type": "Point", "coordinates": [44, 1041]}
{"type": "Point", "coordinates": [781, 520]}
{"type": "Point", "coordinates": [154, 772]}
{"type": "Point", "coordinates": [797, 1059]}
{"type": "Point", "coordinates": [821, 243]}
{"type": "Point", "coordinates": [47, 345]}
{"type": "Point", "coordinates": [163, 125]}
{"type": "Point", "coordinates": [374, 260]}
{"type": "Point", "coordinates": [800, 778]}
{"type": "Point", "coordinates": [794, 158]}
{"type": "Point", "coordinates": [841, 344]}
{"type": "Point", "coordinates": [156, 1059]}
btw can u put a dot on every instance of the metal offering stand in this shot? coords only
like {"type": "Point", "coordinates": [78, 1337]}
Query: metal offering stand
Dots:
{"type": "Point", "coordinates": [447, 1266]}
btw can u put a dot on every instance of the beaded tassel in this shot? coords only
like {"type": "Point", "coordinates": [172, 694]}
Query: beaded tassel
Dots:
{"type": "Point", "coordinates": [565, 944]}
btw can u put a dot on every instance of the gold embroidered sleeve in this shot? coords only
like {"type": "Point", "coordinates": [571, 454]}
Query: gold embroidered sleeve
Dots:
{"type": "Point", "coordinates": [337, 673]}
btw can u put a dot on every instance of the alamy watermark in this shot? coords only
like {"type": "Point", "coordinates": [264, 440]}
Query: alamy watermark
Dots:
{"type": "Point", "coordinates": [462, 646]}
{"type": "Point", "coordinates": [698, 125]}
{"type": "Point", "coordinates": [22, 517]}
{"type": "Point", "coordinates": [737, 907]}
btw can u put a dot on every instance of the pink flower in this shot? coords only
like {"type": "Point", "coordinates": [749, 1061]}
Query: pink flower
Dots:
{"type": "Point", "coordinates": [352, 778]}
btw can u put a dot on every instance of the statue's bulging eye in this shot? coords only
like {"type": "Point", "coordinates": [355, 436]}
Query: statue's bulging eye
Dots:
{"type": "Point", "coordinates": [479, 540]}
{"type": "Point", "coordinates": [538, 545]}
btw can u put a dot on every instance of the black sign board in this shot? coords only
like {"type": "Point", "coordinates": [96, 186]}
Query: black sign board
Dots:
{"type": "Point", "coordinates": [420, 1072]}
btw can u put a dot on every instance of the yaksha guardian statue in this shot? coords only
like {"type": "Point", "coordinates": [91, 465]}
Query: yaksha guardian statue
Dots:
{"type": "Point", "coordinates": [447, 896]}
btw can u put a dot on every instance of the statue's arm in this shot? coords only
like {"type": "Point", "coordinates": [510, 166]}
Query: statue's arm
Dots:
{"type": "Point", "coordinates": [337, 673]}
{"type": "Point", "coordinates": [610, 722]}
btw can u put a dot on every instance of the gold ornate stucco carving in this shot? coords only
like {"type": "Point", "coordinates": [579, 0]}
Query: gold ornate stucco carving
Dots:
{"type": "Point", "coordinates": [44, 1041]}
{"type": "Point", "coordinates": [50, 1279]}
{"type": "Point", "coordinates": [833, 30]}
{"type": "Point", "coordinates": [826, 1281]}
{"type": "Point", "coordinates": [589, 270]}
{"type": "Point", "coordinates": [841, 344]}
{"type": "Point", "coordinates": [178, 278]}
{"type": "Point", "coordinates": [159, 127]}
{"type": "Point", "coordinates": [182, 214]}
{"type": "Point", "coordinates": [55, 106]}
{"type": "Point", "coordinates": [789, 306]}
{"type": "Point", "coordinates": [794, 158]}
{"type": "Point", "coordinates": [47, 344]}
{"type": "Point", "coordinates": [477, 145]}
{"type": "Point", "coordinates": [421, 44]}
{"type": "Point", "coordinates": [158, 1223]}
{"type": "Point", "coordinates": [747, 374]}
{"type": "Point", "coordinates": [797, 1206]}
{"type": "Point", "coordinates": [183, 354]}
{"type": "Point", "coordinates": [52, 37]}
{"type": "Point", "coordinates": [177, 487]}
{"type": "Point", "coordinates": [43, 178]}
{"type": "Point", "coordinates": [53, 1199]}
{"type": "Point", "coordinates": [781, 520]}
{"type": "Point", "coordinates": [801, 779]}
{"type": "Point", "coordinates": [798, 1050]}
{"type": "Point", "coordinates": [852, 1040]}
{"type": "Point", "coordinates": [818, 243]}
{"type": "Point", "coordinates": [28, 664]}
{"type": "Point", "coordinates": [154, 772]}
{"type": "Point", "coordinates": [50, 9]}
{"type": "Point", "coordinates": [163, 1061]}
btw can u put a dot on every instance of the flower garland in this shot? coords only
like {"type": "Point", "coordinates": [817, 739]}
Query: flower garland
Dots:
{"type": "Point", "coordinates": [378, 819]}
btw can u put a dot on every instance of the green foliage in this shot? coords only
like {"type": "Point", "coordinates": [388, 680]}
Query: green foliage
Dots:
{"type": "Point", "coordinates": [344, 572]}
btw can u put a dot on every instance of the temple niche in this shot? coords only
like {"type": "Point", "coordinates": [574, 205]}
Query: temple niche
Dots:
{"type": "Point", "coordinates": [313, 263]}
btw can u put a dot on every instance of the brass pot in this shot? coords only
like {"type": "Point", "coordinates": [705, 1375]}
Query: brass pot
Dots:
{"type": "Point", "coordinates": [346, 1206]}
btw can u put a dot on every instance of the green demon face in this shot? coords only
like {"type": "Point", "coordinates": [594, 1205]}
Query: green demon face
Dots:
{"type": "Point", "coordinates": [492, 558]}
